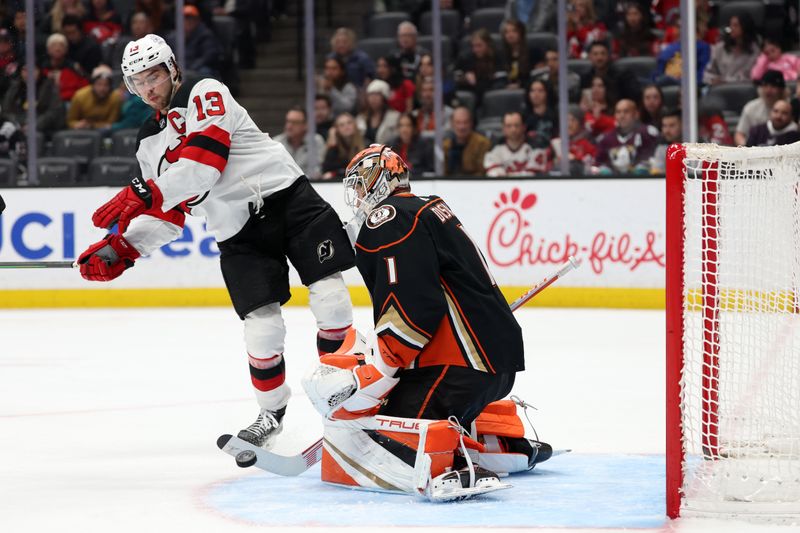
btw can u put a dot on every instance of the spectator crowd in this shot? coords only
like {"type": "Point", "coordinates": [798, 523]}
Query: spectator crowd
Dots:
{"type": "Point", "coordinates": [78, 51]}
{"type": "Point", "coordinates": [500, 80]}
{"type": "Point", "coordinates": [501, 85]}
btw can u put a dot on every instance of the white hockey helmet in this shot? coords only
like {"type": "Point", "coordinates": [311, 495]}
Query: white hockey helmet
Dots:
{"type": "Point", "coordinates": [372, 175]}
{"type": "Point", "coordinates": [147, 52]}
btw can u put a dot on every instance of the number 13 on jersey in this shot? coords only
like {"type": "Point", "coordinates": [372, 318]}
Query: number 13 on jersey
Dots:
{"type": "Point", "coordinates": [213, 105]}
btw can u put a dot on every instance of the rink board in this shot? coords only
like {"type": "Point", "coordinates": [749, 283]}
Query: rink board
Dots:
{"type": "Point", "coordinates": [570, 491]}
{"type": "Point", "coordinates": [525, 228]}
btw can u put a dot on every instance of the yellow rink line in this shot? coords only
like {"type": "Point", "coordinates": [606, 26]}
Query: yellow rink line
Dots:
{"type": "Point", "coordinates": [622, 298]}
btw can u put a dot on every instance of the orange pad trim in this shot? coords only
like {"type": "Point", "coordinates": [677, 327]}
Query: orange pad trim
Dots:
{"type": "Point", "coordinates": [333, 473]}
{"type": "Point", "coordinates": [500, 418]}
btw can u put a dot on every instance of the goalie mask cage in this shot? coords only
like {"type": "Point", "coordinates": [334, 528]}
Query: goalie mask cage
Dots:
{"type": "Point", "coordinates": [733, 331]}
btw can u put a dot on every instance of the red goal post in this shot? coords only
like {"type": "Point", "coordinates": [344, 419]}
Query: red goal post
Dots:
{"type": "Point", "coordinates": [733, 331]}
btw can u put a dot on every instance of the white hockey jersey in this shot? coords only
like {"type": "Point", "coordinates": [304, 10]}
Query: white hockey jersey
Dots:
{"type": "Point", "coordinates": [209, 159]}
{"type": "Point", "coordinates": [524, 161]}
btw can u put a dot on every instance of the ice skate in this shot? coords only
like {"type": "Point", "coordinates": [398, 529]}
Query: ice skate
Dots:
{"type": "Point", "coordinates": [458, 485]}
{"type": "Point", "coordinates": [263, 431]}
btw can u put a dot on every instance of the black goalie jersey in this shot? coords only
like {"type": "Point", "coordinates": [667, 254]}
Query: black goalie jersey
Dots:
{"type": "Point", "coordinates": [434, 300]}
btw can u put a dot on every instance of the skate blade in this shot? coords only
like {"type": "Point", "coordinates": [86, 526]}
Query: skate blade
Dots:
{"type": "Point", "coordinates": [464, 494]}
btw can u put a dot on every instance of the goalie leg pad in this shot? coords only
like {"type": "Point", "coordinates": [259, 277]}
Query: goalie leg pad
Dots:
{"type": "Point", "coordinates": [264, 332]}
{"type": "Point", "coordinates": [385, 460]}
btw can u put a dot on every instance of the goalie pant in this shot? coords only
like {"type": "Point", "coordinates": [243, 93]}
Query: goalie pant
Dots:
{"type": "Point", "coordinates": [381, 453]}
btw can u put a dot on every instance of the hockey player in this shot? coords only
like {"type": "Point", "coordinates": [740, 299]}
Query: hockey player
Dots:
{"type": "Point", "coordinates": [202, 154]}
{"type": "Point", "coordinates": [447, 342]}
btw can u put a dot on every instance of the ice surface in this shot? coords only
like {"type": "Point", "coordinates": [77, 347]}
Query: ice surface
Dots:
{"type": "Point", "coordinates": [109, 418]}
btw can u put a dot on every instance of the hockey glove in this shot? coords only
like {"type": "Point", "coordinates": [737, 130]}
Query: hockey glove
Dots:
{"type": "Point", "coordinates": [107, 259]}
{"type": "Point", "coordinates": [128, 204]}
{"type": "Point", "coordinates": [371, 387]}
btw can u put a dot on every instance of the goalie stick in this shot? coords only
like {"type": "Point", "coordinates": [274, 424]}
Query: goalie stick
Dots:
{"type": "Point", "coordinates": [293, 465]}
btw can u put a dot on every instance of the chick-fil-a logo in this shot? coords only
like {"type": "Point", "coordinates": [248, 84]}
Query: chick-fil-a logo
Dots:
{"type": "Point", "coordinates": [511, 241]}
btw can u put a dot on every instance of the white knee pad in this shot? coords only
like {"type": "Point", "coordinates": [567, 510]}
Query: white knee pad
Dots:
{"type": "Point", "coordinates": [264, 332]}
{"type": "Point", "coordinates": [330, 302]}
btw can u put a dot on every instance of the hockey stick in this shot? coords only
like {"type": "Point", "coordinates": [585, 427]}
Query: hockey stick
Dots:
{"type": "Point", "coordinates": [571, 264]}
{"type": "Point", "coordinates": [293, 465]}
{"type": "Point", "coordinates": [38, 264]}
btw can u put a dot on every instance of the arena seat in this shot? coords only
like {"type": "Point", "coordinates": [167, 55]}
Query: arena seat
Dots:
{"type": "Point", "coordinates": [755, 8]}
{"type": "Point", "coordinates": [57, 171]}
{"type": "Point", "coordinates": [225, 30]}
{"type": "Point", "coordinates": [641, 67]}
{"type": "Point", "coordinates": [579, 66]}
{"type": "Point", "coordinates": [733, 96]}
{"type": "Point", "coordinates": [385, 24]}
{"type": "Point", "coordinates": [376, 47]}
{"type": "Point", "coordinates": [124, 142]}
{"type": "Point", "coordinates": [467, 99]}
{"type": "Point", "coordinates": [113, 170]}
{"type": "Point", "coordinates": [81, 145]}
{"type": "Point", "coordinates": [672, 96]}
{"type": "Point", "coordinates": [426, 42]}
{"type": "Point", "coordinates": [8, 173]}
{"type": "Point", "coordinates": [451, 23]}
{"type": "Point", "coordinates": [498, 102]}
{"type": "Point", "coordinates": [488, 18]}
{"type": "Point", "coordinates": [542, 41]}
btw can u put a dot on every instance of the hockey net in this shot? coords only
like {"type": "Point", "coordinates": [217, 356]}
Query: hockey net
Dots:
{"type": "Point", "coordinates": [733, 331]}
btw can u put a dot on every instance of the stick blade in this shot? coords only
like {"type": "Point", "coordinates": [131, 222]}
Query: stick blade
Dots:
{"type": "Point", "coordinates": [283, 465]}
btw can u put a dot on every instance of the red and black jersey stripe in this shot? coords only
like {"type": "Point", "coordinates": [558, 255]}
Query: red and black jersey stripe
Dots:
{"type": "Point", "coordinates": [209, 147]}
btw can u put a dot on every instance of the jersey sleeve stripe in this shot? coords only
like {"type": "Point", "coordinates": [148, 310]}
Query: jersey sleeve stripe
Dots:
{"type": "Point", "coordinates": [205, 156]}
{"type": "Point", "coordinates": [209, 143]}
{"type": "Point", "coordinates": [218, 134]}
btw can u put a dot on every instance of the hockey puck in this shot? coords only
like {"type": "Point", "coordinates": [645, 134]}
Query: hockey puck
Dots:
{"type": "Point", "coordinates": [246, 458]}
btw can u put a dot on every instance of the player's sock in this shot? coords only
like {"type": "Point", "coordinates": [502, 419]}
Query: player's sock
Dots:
{"type": "Point", "coordinates": [329, 340]}
{"type": "Point", "coordinates": [268, 376]}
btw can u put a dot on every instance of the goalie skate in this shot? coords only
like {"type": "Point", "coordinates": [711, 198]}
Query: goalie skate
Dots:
{"type": "Point", "coordinates": [455, 485]}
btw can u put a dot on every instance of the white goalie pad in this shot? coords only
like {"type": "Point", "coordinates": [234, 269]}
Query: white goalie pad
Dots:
{"type": "Point", "coordinates": [391, 454]}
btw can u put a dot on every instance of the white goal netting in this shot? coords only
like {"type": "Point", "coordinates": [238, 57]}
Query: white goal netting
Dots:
{"type": "Point", "coordinates": [740, 388]}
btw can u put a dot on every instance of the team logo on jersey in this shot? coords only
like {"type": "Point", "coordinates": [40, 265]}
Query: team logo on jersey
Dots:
{"type": "Point", "coordinates": [325, 250]}
{"type": "Point", "coordinates": [380, 215]}
{"type": "Point", "coordinates": [171, 155]}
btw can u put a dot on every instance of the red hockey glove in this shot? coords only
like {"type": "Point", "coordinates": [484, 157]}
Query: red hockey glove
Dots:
{"type": "Point", "coordinates": [129, 203]}
{"type": "Point", "coordinates": [107, 259]}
